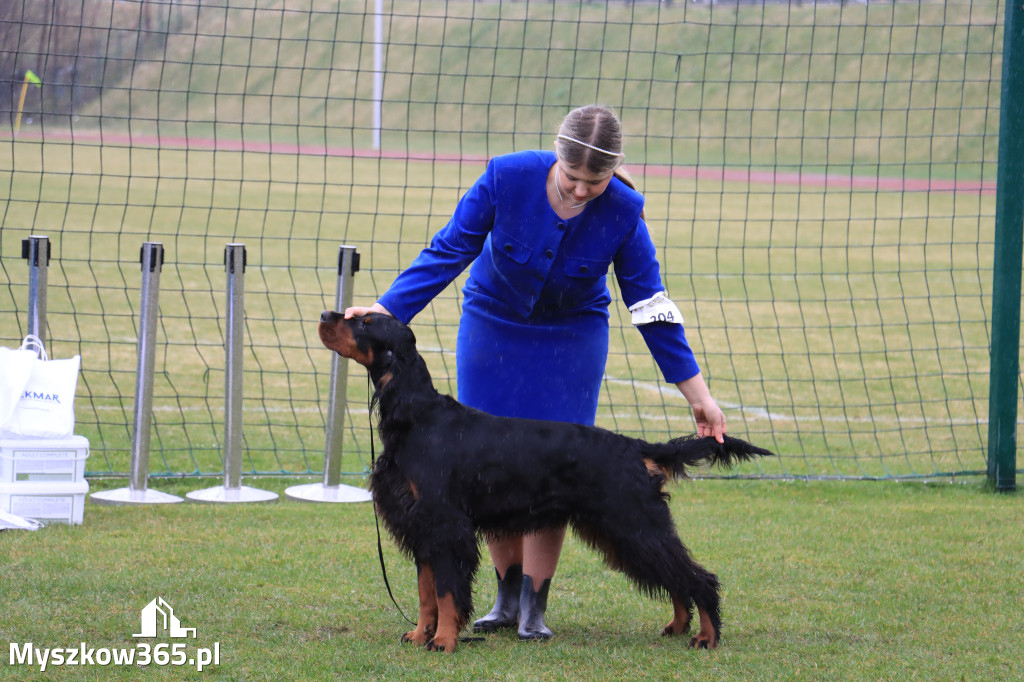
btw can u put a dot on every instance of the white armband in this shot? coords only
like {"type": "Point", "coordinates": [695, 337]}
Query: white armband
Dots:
{"type": "Point", "coordinates": [658, 308]}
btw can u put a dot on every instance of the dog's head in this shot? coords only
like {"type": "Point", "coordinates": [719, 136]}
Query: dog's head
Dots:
{"type": "Point", "coordinates": [373, 340]}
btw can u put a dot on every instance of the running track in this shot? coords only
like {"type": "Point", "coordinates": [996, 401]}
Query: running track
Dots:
{"type": "Point", "coordinates": [743, 175]}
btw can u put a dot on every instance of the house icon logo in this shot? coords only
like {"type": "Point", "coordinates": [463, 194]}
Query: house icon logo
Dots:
{"type": "Point", "coordinates": [158, 614]}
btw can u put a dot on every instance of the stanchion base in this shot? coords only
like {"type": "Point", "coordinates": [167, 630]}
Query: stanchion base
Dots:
{"type": "Point", "coordinates": [318, 492]}
{"type": "Point", "coordinates": [229, 495]}
{"type": "Point", "coordinates": [123, 496]}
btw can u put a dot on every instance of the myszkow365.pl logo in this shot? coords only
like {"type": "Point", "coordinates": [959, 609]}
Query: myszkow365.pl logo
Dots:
{"type": "Point", "coordinates": [157, 618]}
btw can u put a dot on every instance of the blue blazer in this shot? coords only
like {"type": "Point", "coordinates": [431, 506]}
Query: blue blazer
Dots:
{"type": "Point", "coordinates": [528, 263]}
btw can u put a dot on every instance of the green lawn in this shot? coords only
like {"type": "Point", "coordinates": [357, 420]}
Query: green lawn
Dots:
{"type": "Point", "coordinates": [826, 581]}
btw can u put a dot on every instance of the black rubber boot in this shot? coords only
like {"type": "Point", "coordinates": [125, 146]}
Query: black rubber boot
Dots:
{"type": "Point", "coordinates": [505, 613]}
{"type": "Point", "coordinates": [532, 606]}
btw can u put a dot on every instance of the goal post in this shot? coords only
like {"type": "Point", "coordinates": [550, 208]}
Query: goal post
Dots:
{"type": "Point", "coordinates": [1009, 243]}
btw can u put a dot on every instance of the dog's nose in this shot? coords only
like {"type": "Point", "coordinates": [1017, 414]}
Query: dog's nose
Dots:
{"type": "Point", "coordinates": [325, 316]}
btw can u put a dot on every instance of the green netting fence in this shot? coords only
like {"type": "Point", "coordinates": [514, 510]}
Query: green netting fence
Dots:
{"type": "Point", "coordinates": [821, 185]}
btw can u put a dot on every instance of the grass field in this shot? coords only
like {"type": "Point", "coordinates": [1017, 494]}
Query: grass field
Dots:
{"type": "Point", "coordinates": [821, 581]}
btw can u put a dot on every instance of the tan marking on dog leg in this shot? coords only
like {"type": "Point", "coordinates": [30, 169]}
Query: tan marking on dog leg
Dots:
{"type": "Point", "coordinates": [448, 625]}
{"type": "Point", "coordinates": [706, 637]}
{"type": "Point", "coordinates": [427, 624]}
{"type": "Point", "coordinates": [680, 623]}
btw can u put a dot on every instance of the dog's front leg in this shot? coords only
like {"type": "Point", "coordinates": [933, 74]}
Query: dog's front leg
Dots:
{"type": "Point", "coordinates": [427, 624]}
{"type": "Point", "coordinates": [448, 625]}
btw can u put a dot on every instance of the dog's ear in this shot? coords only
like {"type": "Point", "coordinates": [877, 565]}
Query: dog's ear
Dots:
{"type": "Point", "coordinates": [383, 368]}
{"type": "Point", "coordinates": [400, 336]}
{"type": "Point", "coordinates": [406, 344]}
{"type": "Point", "coordinates": [403, 334]}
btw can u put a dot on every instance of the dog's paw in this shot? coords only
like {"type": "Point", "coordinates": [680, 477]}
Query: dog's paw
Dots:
{"type": "Point", "coordinates": [439, 644]}
{"type": "Point", "coordinates": [676, 628]}
{"type": "Point", "coordinates": [417, 637]}
{"type": "Point", "coordinates": [703, 642]}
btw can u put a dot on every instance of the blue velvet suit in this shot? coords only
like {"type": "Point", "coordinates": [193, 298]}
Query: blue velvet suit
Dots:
{"type": "Point", "coordinates": [533, 337]}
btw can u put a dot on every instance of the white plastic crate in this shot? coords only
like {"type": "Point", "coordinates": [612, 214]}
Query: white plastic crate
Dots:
{"type": "Point", "coordinates": [43, 461]}
{"type": "Point", "coordinates": [45, 502]}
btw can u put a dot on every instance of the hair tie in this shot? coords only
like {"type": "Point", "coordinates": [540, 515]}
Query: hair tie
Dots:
{"type": "Point", "coordinates": [590, 146]}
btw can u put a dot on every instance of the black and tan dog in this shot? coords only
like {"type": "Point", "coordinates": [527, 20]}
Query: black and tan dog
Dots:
{"type": "Point", "coordinates": [449, 473]}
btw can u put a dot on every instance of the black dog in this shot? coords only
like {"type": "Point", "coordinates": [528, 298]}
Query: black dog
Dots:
{"type": "Point", "coordinates": [449, 473]}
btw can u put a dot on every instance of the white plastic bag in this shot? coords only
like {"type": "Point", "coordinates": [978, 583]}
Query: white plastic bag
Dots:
{"type": "Point", "coordinates": [15, 368]}
{"type": "Point", "coordinates": [45, 407]}
{"type": "Point", "coordinates": [9, 521]}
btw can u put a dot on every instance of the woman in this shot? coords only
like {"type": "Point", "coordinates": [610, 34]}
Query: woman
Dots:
{"type": "Point", "coordinates": [541, 229]}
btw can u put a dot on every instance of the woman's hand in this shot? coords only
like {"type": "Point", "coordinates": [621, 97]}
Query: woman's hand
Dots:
{"type": "Point", "coordinates": [710, 419]}
{"type": "Point", "coordinates": [708, 415]}
{"type": "Point", "coordinates": [359, 311]}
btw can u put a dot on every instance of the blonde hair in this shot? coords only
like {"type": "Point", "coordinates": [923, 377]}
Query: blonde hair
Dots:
{"type": "Point", "coordinates": [622, 174]}
{"type": "Point", "coordinates": [591, 137]}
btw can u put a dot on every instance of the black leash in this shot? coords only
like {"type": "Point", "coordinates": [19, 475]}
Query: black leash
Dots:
{"type": "Point", "coordinates": [376, 518]}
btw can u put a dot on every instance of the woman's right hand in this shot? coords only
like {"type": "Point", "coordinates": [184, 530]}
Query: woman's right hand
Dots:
{"type": "Point", "coordinates": [359, 311]}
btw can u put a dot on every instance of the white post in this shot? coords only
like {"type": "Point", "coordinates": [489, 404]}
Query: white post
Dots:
{"type": "Point", "coordinates": [138, 492]}
{"type": "Point", "coordinates": [378, 69]}
{"type": "Point", "coordinates": [234, 328]}
{"type": "Point", "coordinates": [331, 489]}
{"type": "Point", "coordinates": [36, 250]}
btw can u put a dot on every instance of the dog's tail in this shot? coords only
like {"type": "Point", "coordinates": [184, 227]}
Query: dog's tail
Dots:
{"type": "Point", "coordinates": [674, 456]}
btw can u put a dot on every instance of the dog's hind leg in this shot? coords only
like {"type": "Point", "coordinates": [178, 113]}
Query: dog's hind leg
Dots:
{"type": "Point", "coordinates": [707, 636]}
{"type": "Point", "coordinates": [427, 624]}
{"type": "Point", "coordinates": [682, 614]}
{"type": "Point", "coordinates": [710, 622]}
{"type": "Point", "coordinates": [652, 556]}
{"type": "Point", "coordinates": [705, 595]}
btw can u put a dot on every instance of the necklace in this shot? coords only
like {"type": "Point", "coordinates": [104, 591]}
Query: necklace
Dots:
{"type": "Point", "coordinates": [564, 202]}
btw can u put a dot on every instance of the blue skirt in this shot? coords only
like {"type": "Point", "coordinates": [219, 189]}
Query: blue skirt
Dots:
{"type": "Point", "coordinates": [545, 368]}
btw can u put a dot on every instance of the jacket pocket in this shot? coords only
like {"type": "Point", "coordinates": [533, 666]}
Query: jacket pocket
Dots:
{"type": "Point", "coordinates": [585, 267]}
{"type": "Point", "coordinates": [511, 247]}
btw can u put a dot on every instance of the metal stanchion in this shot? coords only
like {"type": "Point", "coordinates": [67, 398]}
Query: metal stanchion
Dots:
{"type": "Point", "coordinates": [233, 490]}
{"type": "Point", "coordinates": [331, 490]}
{"type": "Point", "coordinates": [138, 492]}
{"type": "Point", "coordinates": [36, 250]}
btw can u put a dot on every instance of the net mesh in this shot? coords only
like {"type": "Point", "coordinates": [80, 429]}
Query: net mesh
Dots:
{"type": "Point", "coordinates": [819, 177]}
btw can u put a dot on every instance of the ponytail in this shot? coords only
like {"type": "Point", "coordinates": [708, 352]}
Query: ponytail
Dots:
{"type": "Point", "coordinates": [622, 174]}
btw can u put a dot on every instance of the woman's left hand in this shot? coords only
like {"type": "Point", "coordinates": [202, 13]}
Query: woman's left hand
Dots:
{"type": "Point", "coordinates": [709, 416]}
